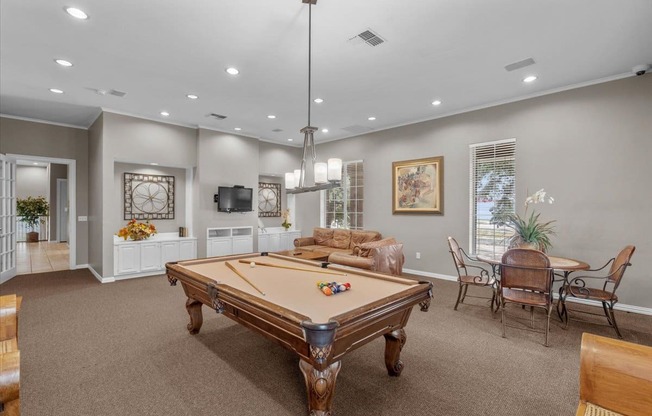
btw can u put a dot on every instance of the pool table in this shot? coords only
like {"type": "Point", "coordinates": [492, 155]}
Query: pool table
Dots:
{"type": "Point", "coordinates": [294, 313]}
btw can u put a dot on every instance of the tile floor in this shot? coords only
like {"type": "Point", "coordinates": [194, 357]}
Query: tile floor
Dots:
{"type": "Point", "coordinates": [41, 257]}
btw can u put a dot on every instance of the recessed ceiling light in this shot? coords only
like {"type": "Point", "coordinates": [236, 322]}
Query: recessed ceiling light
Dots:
{"type": "Point", "coordinates": [371, 118]}
{"type": "Point", "coordinates": [237, 129]}
{"type": "Point", "coordinates": [35, 163]}
{"type": "Point", "coordinates": [77, 13]}
{"type": "Point", "coordinates": [192, 96]}
{"type": "Point", "coordinates": [232, 71]}
{"type": "Point", "coordinates": [290, 140]}
{"type": "Point", "coordinates": [318, 100]}
{"type": "Point", "coordinates": [436, 102]}
{"type": "Point", "coordinates": [165, 113]}
{"type": "Point", "coordinates": [271, 116]}
{"type": "Point", "coordinates": [324, 130]}
{"type": "Point", "coordinates": [531, 78]}
{"type": "Point", "coordinates": [63, 62]}
{"type": "Point", "coordinates": [154, 164]}
{"type": "Point", "coordinates": [56, 90]}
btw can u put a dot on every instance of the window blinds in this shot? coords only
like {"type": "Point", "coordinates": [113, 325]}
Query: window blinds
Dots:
{"type": "Point", "coordinates": [492, 195]}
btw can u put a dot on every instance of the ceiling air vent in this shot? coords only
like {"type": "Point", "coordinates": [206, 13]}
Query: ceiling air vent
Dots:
{"type": "Point", "coordinates": [216, 116]}
{"type": "Point", "coordinates": [356, 129]}
{"type": "Point", "coordinates": [520, 64]}
{"type": "Point", "coordinates": [101, 91]}
{"type": "Point", "coordinates": [370, 37]}
{"type": "Point", "coordinates": [277, 130]}
{"type": "Point", "coordinates": [117, 93]}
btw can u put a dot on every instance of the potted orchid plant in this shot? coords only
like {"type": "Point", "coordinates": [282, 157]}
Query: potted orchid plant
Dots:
{"type": "Point", "coordinates": [286, 219]}
{"type": "Point", "coordinates": [529, 231]}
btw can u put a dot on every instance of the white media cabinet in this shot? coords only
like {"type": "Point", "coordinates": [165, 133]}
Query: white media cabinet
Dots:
{"type": "Point", "coordinates": [223, 241]}
{"type": "Point", "coordinates": [148, 257]}
{"type": "Point", "coordinates": [276, 239]}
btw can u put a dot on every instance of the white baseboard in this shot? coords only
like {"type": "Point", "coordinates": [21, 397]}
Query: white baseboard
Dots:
{"type": "Point", "coordinates": [95, 273]}
{"type": "Point", "coordinates": [433, 275]}
{"type": "Point", "coordinates": [618, 306]}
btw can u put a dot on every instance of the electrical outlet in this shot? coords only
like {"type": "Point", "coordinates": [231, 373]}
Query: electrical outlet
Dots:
{"type": "Point", "coordinates": [418, 255]}
{"type": "Point", "coordinates": [82, 218]}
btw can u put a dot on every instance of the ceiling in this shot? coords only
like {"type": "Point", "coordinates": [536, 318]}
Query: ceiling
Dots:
{"type": "Point", "coordinates": [159, 51]}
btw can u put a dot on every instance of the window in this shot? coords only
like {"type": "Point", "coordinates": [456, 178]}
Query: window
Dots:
{"type": "Point", "coordinates": [493, 177]}
{"type": "Point", "coordinates": [343, 206]}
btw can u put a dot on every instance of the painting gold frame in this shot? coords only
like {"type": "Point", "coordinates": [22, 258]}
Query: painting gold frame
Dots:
{"type": "Point", "coordinates": [417, 186]}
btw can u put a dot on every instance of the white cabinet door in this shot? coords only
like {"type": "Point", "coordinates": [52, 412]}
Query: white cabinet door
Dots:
{"type": "Point", "coordinates": [274, 242]}
{"type": "Point", "coordinates": [187, 250]}
{"type": "Point", "coordinates": [128, 259]}
{"type": "Point", "coordinates": [284, 243]}
{"type": "Point", "coordinates": [150, 256]}
{"type": "Point", "coordinates": [219, 247]}
{"type": "Point", "coordinates": [244, 244]}
{"type": "Point", "coordinates": [169, 252]}
{"type": "Point", "coordinates": [263, 243]}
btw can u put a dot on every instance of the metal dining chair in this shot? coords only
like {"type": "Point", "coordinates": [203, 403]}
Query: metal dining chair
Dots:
{"type": "Point", "coordinates": [469, 274]}
{"type": "Point", "coordinates": [577, 288]}
{"type": "Point", "coordinates": [526, 279]}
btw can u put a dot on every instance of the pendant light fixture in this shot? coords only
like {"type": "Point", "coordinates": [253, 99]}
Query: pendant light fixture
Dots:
{"type": "Point", "coordinates": [325, 175]}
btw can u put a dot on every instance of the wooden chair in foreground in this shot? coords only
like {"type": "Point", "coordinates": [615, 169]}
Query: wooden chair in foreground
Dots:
{"type": "Point", "coordinates": [9, 356]}
{"type": "Point", "coordinates": [526, 279]}
{"type": "Point", "coordinates": [615, 378]}
{"type": "Point", "coordinates": [577, 288]}
{"type": "Point", "coordinates": [464, 278]}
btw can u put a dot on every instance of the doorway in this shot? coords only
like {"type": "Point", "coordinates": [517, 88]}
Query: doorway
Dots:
{"type": "Point", "coordinates": [68, 225]}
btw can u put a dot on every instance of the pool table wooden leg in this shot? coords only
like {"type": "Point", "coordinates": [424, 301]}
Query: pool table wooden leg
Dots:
{"type": "Point", "coordinates": [320, 386]}
{"type": "Point", "coordinates": [196, 319]}
{"type": "Point", "coordinates": [394, 342]}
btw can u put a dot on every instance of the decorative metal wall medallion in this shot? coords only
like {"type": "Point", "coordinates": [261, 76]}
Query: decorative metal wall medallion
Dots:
{"type": "Point", "coordinates": [269, 199]}
{"type": "Point", "coordinates": [148, 197]}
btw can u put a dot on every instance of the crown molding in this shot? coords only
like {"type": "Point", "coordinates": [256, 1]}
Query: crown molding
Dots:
{"type": "Point", "coordinates": [37, 120]}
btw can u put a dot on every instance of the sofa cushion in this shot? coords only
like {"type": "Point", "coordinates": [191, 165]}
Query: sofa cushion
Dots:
{"type": "Point", "coordinates": [365, 249]}
{"type": "Point", "coordinates": [341, 238]}
{"type": "Point", "coordinates": [323, 236]}
{"type": "Point", "coordinates": [360, 237]}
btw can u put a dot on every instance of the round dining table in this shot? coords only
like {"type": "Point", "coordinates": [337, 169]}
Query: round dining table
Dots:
{"type": "Point", "coordinates": [562, 264]}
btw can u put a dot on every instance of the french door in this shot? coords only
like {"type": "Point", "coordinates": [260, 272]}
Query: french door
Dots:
{"type": "Point", "coordinates": [7, 218]}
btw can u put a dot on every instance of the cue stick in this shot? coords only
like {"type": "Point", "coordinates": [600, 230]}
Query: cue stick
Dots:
{"type": "Point", "coordinates": [292, 268]}
{"type": "Point", "coordinates": [230, 266]}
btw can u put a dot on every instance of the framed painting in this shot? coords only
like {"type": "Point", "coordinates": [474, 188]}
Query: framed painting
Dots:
{"type": "Point", "coordinates": [417, 186]}
{"type": "Point", "coordinates": [148, 197]}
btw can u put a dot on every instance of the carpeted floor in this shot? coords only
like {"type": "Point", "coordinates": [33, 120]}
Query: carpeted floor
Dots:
{"type": "Point", "coordinates": [123, 349]}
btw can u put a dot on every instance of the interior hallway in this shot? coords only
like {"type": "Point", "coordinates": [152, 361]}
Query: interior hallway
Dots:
{"type": "Point", "coordinates": [41, 257]}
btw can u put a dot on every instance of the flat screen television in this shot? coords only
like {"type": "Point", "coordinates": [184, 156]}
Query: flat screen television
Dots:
{"type": "Point", "coordinates": [235, 199]}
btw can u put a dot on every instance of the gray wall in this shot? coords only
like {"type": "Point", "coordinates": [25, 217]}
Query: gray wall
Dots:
{"type": "Point", "coordinates": [57, 171]}
{"type": "Point", "coordinates": [589, 148]}
{"type": "Point", "coordinates": [223, 159]}
{"type": "Point", "coordinates": [39, 139]}
{"type": "Point", "coordinates": [32, 181]}
{"type": "Point", "coordinates": [134, 140]}
{"type": "Point", "coordinates": [95, 208]}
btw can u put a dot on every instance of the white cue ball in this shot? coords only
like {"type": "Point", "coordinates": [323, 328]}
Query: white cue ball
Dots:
{"type": "Point", "coordinates": [252, 264]}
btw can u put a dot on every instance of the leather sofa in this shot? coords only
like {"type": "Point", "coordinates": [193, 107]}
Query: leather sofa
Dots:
{"type": "Point", "coordinates": [356, 248]}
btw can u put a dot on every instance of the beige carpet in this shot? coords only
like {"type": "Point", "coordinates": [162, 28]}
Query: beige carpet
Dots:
{"type": "Point", "coordinates": [123, 349]}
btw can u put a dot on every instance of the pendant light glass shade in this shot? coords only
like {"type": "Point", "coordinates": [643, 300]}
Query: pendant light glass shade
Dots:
{"type": "Point", "coordinates": [289, 180]}
{"type": "Point", "coordinates": [321, 172]}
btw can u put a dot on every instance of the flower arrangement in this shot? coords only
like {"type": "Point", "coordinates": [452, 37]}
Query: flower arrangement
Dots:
{"type": "Point", "coordinates": [137, 230]}
{"type": "Point", "coordinates": [528, 230]}
{"type": "Point", "coordinates": [286, 218]}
